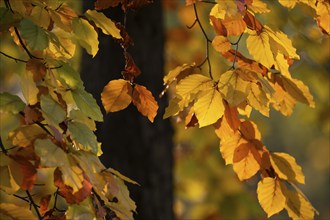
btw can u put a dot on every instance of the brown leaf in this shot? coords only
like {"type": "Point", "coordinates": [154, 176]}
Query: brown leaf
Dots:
{"type": "Point", "coordinates": [129, 4]}
{"type": "Point", "coordinates": [32, 115]}
{"type": "Point", "coordinates": [37, 68]}
{"type": "Point", "coordinates": [23, 171]}
{"type": "Point", "coordinates": [131, 70]}
{"type": "Point", "coordinates": [67, 192]}
{"type": "Point", "coordinates": [126, 40]}
{"type": "Point", "coordinates": [252, 23]}
{"type": "Point", "coordinates": [219, 28]}
{"type": "Point", "coordinates": [104, 4]}
{"type": "Point", "coordinates": [231, 116]}
{"type": "Point", "coordinates": [145, 102]}
{"type": "Point", "coordinates": [44, 203]}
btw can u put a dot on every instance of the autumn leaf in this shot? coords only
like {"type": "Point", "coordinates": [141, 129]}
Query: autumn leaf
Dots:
{"type": "Point", "coordinates": [233, 87]}
{"type": "Point", "coordinates": [44, 203]}
{"type": "Point", "coordinates": [35, 36]}
{"type": "Point", "coordinates": [7, 183]}
{"type": "Point", "coordinates": [37, 68]}
{"type": "Point", "coordinates": [12, 211]}
{"type": "Point", "coordinates": [258, 99]}
{"type": "Point", "coordinates": [86, 35]}
{"type": "Point", "coordinates": [209, 107]}
{"type": "Point", "coordinates": [221, 44]}
{"type": "Point", "coordinates": [83, 210]}
{"type": "Point", "coordinates": [179, 72]}
{"type": "Point", "coordinates": [25, 136]}
{"type": "Point", "coordinates": [40, 16]}
{"type": "Point", "coordinates": [51, 110]}
{"type": "Point", "coordinates": [101, 21]}
{"type": "Point", "coordinates": [29, 88]}
{"type": "Point", "coordinates": [23, 171]}
{"type": "Point", "coordinates": [270, 196]}
{"type": "Point", "coordinates": [145, 102]}
{"type": "Point", "coordinates": [286, 167]}
{"type": "Point", "coordinates": [10, 103]}
{"type": "Point", "coordinates": [116, 95]}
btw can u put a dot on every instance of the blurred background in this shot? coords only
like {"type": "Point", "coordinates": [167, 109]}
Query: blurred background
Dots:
{"type": "Point", "coordinates": [204, 188]}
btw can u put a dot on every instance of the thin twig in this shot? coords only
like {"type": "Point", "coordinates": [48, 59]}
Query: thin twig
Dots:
{"type": "Point", "coordinates": [192, 25]}
{"type": "Point", "coordinates": [236, 50]}
{"type": "Point", "coordinates": [11, 57]}
{"type": "Point", "coordinates": [35, 206]}
{"type": "Point", "coordinates": [207, 43]}
{"type": "Point", "coordinates": [22, 198]}
{"type": "Point", "coordinates": [3, 149]}
{"type": "Point", "coordinates": [39, 124]}
{"type": "Point", "coordinates": [210, 2]}
{"type": "Point", "coordinates": [24, 46]}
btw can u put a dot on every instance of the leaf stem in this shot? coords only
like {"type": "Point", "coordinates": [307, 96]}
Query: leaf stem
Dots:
{"type": "Point", "coordinates": [236, 50]}
{"type": "Point", "coordinates": [24, 46]}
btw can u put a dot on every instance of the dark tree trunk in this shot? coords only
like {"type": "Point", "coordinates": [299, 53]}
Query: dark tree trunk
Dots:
{"type": "Point", "coordinates": [131, 144]}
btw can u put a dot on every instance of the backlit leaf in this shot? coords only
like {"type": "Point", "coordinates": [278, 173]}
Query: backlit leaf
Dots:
{"type": "Point", "coordinates": [259, 47]}
{"type": "Point", "coordinates": [72, 175]}
{"type": "Point", "coordinates": [286, 167]}
{"type": "Point", "coordinates": [29, 89]}
{"type": "Point", "coordinates": [10, 103]}
{"type": "Point", "coordinates": [270, 196]}
{"type": "Point", "coordinates": [323, 16]}
{"type": "Point", "coordinates": [87, 104]}
{"type": "Point", "coordinates": [71, 76]}
{"type": "Point", "coordinates": [297, 206]}
{"type": "Point", "coordinates": [83, 210]}
{"type": "Point", "coordinates": [52, 111]}
{"type": "Point", "coordinates": [298, 90]}
{"type": "Point", "coordinates": [145, 102]}
{"type": "Point", "coordinates": [107, 26]}
{"type": "Point", "coordinates": [39, 15]}
{"type": "Point", "coordinates": [83, 137]}
{"type": "Point", "coordinates": [11, 211]}
{"type": "Point", "coordinates": [233, 87]}
{"type": "Point", "coordinates": [86, 35]}
{"type": "Point", "coordinates": [173, 108]}
{"type": "Point", "coordinates": [7, 183]}
{"type": "Point", "coordinates": [179, 73]}
{"type": "Point", "coordinates": [228, 146]}
{"type": "Point", "coordinates": [116, 95]}
{"type": "Point", "coordinates": [35, 36]}
{"type": "Point", "coordinates": [258, 99]}
{"type": "Point", "coordinates": [26, 135]}
{"type": "Point", "coordinates": [23, 171]}
{"type": "Point", "coordinates": [258, 6]}
{"type": "Point", "coordinates": [9, 122]}
{"type": "Point", "coordinates": [247, 166]}
{"type": "Point", "coordinates": [221, 44]}
{"type": "Point", "coordinates": [50, 154]}
{"type": "Point", "coordinates": [209, 107]}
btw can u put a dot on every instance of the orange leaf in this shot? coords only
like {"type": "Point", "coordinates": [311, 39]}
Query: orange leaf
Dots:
{"type": "Point", "coordinates": [116, 95]}
{"type": "Point", "coordinates": [131, 70]}
{"type": "Point", "coordinates": [221, 44]}
{"type": "Point", "coordinates": [252, 23]}
{"type": "Point", "coordinates": [37, 68]}
{"type": "Point", "coordinates": [67, 191]}
{"type": "Point", "coordinates": [145, 102]}
{"type": "Point", "coordinates": [23, 171]}
{"type": "Point", "coordinates": [44, 202]}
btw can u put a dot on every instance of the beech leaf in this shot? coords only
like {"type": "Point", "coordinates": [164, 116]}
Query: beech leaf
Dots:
{"type": "Point", "coordinates": [52, 110]}
{"type": "Point", "coordinates": [116, 95]}
{"type": "Point", "coordinates": [145, 102]}
{"type": "Point", "coordinates": [14, 212]}
{"type": "Point", "coordinates": [10, 103]}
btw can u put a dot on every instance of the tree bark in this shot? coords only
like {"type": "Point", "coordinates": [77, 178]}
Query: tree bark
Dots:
{"type": "Point", "coordinates": [131, 144]}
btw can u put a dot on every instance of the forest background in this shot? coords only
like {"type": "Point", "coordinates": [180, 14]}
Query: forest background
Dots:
{"type": "Point", "coordinates": [204, 187]}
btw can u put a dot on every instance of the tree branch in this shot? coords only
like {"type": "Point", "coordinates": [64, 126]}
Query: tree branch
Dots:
{"type": "Point", "coordinates": [236, 50]}
{"type": "Point", "coordinates": [35, 206]}
{"type": "Point", "coordinates": [24, 46]}
{"type": "Point", "coordinates": [13, 58]}
{"type": "Point", "coordinates": [207, 58]}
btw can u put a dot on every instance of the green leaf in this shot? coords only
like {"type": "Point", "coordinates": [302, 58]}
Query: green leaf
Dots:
{"type": "Point", "coordinates": [87, 104]}
{"type": "Point", "coordinates": [50, 154]}
{"type": "Point", "coordinates": [52, 111]}
{"type": "Point", "coordinates": [10, 103]}
{"type": "Point", "coordinates": [83, 137]}
{"type": "Point", "coordinates": [36, 37]}
{"type": "Point", "coordinates": [9, 122]}
{"type": "Point", "coordinates": [101, 21]}
{"type": "Point", "coordinates": [86, 35]}
{"type": "Point", "coordinates": [70, 76]}
{"type": "Point", "coordinates": [14, 212]}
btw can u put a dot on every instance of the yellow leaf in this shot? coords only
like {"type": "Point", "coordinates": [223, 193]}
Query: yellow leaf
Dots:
{"type": "Point", "coordinates": [233, 87]}
{"type": "Point", "coordinates": [297, 206]}
{"type": "Point", "coordinates": [40, 16]}
{"type": "Point", "coordinates": [10, 211]}
{"type": "Point", "coordinates": [257, 99]}
{"type": "Point", "coordinates": [289, 4]}
{"type": "Point", "coordinates": [86, 35]}
{"type": "Point", "coordinates": [282, 101]}
{"type": "Point", "coordinates": [107, 26]}
{"type": "Point", "coordinates": [280, 43]}
{"type": "Point", "coordinates": [63, 17]}
{"type": "Point", "coordinates": [298, 91]}
{"type": "Point", "coordinates": [190, 86]}
{"type": "Point", "coordinates": [29, 88]}
{"type": "Point", "coordinates": [270, 196]}
{"type": "Point", "coordinates": [72, 174]}
{"type": "Point", "coordinates": [323, 18]}
{"type": "Point", "coordinates": [286, 167]}
{"type": "Point", "coordinates": [247, 167]}
{"type": "Point", "coordinates": [228, 146]}
{"type": "Point", "coordinates": [259, 48]}
{"type": "Point", "coordinates": [145, 102]}
{"type": "Point", "coordinates": [209, 107]}
{"type": "Point", "coordinates": [173, 108]}
{"type": "Point", "coordinates": [116, 95]}
{"type": "Point", "coordinates": [221, 44]}
{"type": "Point", "coordinates": [258, 6]}
{"type": "Point", "coordinates": [25, 135]}
{"type": "Point", "coordinates": [179, 73]}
